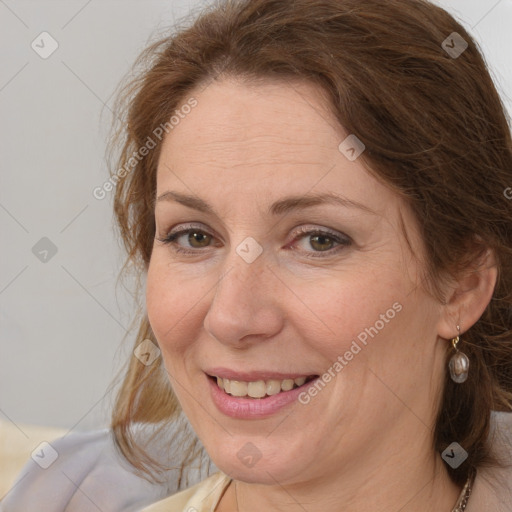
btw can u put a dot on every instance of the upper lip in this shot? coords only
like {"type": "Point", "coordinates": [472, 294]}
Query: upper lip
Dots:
{"type": "Point", "coordinates": [254, 375]}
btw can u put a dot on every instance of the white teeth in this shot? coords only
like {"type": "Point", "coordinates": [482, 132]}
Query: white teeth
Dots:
{"type": "Point", "coordinates": [273, 387]}
{"type": "Point", "coordinates": [259, 388]}
{"type": "Point", "coordinates": [287, 384]}
{"type": "Point", "coordinates": [300, 381]}
{"type": "Point", "coordinates": [238, 388]}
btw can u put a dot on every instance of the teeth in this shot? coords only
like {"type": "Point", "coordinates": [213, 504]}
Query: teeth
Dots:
{"type": "Point", "coordinates": [300, 381]}
{"type": "Point", "coordinates": [259, 388]}
{"type": "Point", "coordinates": [238, 388]}
{"type": "Point", "coordinates": [287, 384]}
{"type": "Point", "coordinates": [273, 387]}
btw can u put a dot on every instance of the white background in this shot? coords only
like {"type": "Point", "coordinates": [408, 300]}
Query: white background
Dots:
{"type": "Point", "coordinates": [63, 321]}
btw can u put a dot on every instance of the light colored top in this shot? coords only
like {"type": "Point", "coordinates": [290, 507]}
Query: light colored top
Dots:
{"type": "Point", "coordinates": [202, 497]}
{"type": "Point", "coordinates": [85, 472]}
{"type": "Point", "coordinates": [17, 441]}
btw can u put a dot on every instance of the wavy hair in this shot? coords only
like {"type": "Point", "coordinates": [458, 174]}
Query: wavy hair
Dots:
{"type": "Point", "coordinates": [435, 130]}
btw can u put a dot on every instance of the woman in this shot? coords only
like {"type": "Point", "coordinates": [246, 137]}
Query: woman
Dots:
{"type": "Point", "coordinates": [328, 249]}
{"type": "Point", "coordinates": [315, 193]}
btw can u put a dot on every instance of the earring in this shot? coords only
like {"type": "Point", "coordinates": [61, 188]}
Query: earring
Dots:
{"type": "Point", "coordinates": [459, 363]}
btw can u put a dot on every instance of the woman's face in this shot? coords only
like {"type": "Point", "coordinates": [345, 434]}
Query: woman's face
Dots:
{"type": "Point", "coordinates": [276, 283]}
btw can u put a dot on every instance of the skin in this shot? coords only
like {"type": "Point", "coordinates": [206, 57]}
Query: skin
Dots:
{"type": "Point", "coordinates": [365, 440]}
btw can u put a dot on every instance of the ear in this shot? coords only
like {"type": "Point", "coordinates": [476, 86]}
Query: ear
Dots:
{"type": "Point", "coordinates": [468, 296]}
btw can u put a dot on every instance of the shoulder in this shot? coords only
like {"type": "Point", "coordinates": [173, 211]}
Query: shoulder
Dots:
{"type": "Point", "coordinates": [80, 469]}
{"type": "Point", "coordinates": [17, 442]}
{"type": "Point", "coordinates": [202, 497]}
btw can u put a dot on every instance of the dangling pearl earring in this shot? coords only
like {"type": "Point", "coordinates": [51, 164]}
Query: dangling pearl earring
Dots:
{"type": "Point", "coordinates": [459, 363]}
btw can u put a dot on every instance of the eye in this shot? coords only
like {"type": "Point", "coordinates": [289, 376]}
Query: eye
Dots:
{"type": "Point", "coordinates": [195, 237]}
{"type": "Point", "coordinates": [324, 242]}
{"type": "Point", "coordinates": [320, 240]}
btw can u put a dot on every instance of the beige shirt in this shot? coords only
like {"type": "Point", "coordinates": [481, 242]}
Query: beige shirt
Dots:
{"type": "Point", "coordinates": [492, 490]}
{"type": "Point", "coordinates": [202, 497]}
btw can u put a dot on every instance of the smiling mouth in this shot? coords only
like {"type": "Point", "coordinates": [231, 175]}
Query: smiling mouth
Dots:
{"type": "Point", "coordinates": [259, 388]}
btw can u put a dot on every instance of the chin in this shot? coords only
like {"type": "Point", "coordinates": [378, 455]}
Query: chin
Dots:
{"type": "Point", "coordinates": [254, 465]}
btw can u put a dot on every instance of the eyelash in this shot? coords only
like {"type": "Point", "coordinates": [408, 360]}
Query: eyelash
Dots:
{"type": "Point", "coordinates": [343, 240]}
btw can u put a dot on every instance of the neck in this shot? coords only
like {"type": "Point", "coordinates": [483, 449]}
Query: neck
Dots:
{"type": "Point", "coordinates": [411, 484]}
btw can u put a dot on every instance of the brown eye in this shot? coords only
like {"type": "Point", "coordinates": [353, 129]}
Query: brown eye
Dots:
{"type": "Point", "coordinates": [321, 242]}
{"type": "Point", "coordinates": [187, 240]}
{"type": "Point", "coordinates": [198, 239]}
{"type": "Point", "coordinates": [317, 243]}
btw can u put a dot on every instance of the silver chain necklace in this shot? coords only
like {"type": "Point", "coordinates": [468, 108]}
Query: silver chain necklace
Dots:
{"type": "Point", "coordinates": [464, 495]}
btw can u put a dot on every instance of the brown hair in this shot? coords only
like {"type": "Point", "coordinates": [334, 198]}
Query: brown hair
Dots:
{"type": "Point", "coordinates": [434, 128]}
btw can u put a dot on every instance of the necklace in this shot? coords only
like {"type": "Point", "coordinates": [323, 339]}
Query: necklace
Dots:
{"type": "Point", "coordinates": [465, 494]}
{"type": "Point", "coordinates": [461, 504]}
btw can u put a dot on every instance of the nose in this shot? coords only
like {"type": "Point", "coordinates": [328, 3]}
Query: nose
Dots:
{"type": "Point", "coordinates": [246, 306]}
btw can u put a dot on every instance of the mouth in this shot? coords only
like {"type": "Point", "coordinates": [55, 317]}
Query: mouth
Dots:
{"type": "Point", "coordinates": [259, 389]}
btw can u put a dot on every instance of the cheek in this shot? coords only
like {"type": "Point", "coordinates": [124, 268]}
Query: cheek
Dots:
{"type": "Point", "coordinates": [367, 328]}
{"type": "Point", "coordinates": [350, 307]}
{"type": "Point", "coordinates": [387, 347]}
{"type": "Point", "coordinates": [171, 304]}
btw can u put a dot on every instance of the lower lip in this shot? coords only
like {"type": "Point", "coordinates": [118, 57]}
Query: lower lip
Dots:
{"type": "Point", "coordinates": [254, 408]}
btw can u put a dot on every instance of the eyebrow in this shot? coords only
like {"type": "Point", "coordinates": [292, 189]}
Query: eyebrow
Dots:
{"type": "Point", "coordinates": [280, 207]}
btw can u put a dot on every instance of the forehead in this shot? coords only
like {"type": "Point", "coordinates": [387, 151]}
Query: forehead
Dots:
{"type": "Point", "coordinates": [245, 123]}
{"type": "Point", "coordinates": [282, 133]}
